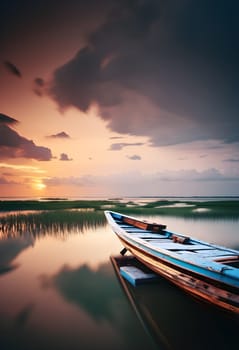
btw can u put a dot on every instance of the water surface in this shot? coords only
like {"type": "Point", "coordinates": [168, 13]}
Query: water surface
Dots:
{"type": "Point", "coordinates": [59, 290]}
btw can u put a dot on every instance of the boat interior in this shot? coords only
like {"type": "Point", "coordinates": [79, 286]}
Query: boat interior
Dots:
{"type": "Point", "coordinates": [157, 235]}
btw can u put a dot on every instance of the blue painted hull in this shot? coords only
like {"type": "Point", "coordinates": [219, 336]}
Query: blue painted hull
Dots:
{"type": "Point", "coordinates": [207, 271]}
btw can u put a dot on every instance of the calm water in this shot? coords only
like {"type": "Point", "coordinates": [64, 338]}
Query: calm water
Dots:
{"type": "Point", "coordinates": [59, 290]}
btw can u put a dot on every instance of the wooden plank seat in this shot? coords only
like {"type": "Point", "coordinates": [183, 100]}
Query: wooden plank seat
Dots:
{"type": "Point", "coordinates": [144, 225]}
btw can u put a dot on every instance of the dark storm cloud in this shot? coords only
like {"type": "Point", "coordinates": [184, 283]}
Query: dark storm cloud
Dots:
{"type": "Point", "coordinates": [12, 145]}
{"type": "Point", "coordinates": [120, 146]}
{"type": "Point", "coordinates": [12, 69]}
{"type": "Point", "coordinates": [5, 119]}
{"type": "Point", "coordinates": [27, 22]}
{"type": "Point", "coordinates": [60, 135]}
{"type": "Point", "coordinates": [166, 70]}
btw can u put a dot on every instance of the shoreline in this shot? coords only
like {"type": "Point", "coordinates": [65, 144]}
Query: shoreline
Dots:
{"type": "Point", "coordinates": [184, 208]}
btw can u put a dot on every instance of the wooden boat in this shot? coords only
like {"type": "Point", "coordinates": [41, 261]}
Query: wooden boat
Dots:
{"type": "Point", "coordinates": [205, 270]}
{"type": "Point", "coordinates": [167, 315]}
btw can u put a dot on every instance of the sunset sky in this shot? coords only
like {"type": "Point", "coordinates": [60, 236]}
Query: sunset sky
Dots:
{"type": "Point", "coordinates": [119, 98]}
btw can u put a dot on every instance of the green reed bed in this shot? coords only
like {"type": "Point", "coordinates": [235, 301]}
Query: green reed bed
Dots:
{"type": "Point", "coordinates": [18, 205]}
{"type": "Point", "coordinates": [188, 209]}
{"type": "Point", "coordinates": [64, 216]}
{"type": "Point", "coordinates": [53, 222]}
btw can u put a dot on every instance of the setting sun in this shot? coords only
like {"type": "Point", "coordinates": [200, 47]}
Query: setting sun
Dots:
{"type": "Point", "coordinates": [86, 120]}
{"type": "Point", "coordinates": [39, 186]}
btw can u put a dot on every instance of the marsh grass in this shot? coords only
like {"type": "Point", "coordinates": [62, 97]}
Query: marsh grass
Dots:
{"type": "Point", "coordinates": [229, 208]}
{"type": "Point", "coordinates": [193, 209]}
{"type": "Point", "coordinates": [62, 217]}
{"type": "Point", "coordinates": [52, 205]}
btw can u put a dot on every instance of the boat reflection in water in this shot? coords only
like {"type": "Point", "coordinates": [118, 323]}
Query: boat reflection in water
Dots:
{"type": "Point", "coordinates": [174, 319]}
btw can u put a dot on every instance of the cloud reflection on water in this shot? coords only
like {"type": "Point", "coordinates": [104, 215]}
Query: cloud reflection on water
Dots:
{"type": "Point", "coordinates": [93, 290]}
{"type": "Point", "coordinates": [10, 248]}
{"type": "Point", "coordinates": [96, 294]}
{"type": "Point", "coordinates": [176, 317]}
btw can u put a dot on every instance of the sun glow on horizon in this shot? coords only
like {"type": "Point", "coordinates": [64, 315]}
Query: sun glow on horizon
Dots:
{"type": "Point", "coordinates": [39, 186]}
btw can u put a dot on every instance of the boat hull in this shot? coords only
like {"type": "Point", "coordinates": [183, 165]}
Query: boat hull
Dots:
{"type": "Point", "coordinates": [168, 315]}
{"type": "Point", "coordinates": [196, 286]}
{"type": "Point", "coordinates": [204, 270]}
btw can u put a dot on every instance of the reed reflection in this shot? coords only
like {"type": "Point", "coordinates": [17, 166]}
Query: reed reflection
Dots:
{"type": "Point", "coordinates": [57, 223]}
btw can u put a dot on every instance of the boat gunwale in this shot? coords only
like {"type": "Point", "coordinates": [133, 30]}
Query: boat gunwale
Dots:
{"type": "Point", "coordinates": [213, 270]}
{"type": "Point", "coordinates": [195, 274]}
